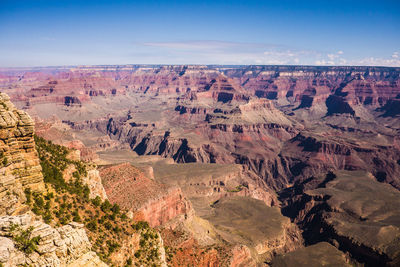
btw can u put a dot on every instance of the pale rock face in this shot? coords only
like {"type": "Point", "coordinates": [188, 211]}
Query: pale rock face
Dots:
{"type": "Point", "coordinates": [64, 246]}
{"type": "Point", "coordinates": [161, 250]}
{"type": "Point", "coordinates": [89, 259]}
{"type": "Point", "coordinates": [93, 180]}
{"type": "Point", "coordinates": [20, 167]}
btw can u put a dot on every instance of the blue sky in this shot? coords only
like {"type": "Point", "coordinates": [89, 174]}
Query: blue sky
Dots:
{"type": "Point", "coordinates": [342, 32]}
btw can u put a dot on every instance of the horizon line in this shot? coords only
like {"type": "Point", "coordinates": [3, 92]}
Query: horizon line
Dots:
{"type": "Point", "coordinates": [206, 65]}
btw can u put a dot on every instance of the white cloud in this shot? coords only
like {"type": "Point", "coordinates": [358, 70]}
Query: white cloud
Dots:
{"type": "Point", "coordinates": [332, 56]}
{"type": "Point", "coordinates": [372, 61]}
{"type": "Point", "coordinates": [324, 62]}
{"type": "Point", "coordinates": [223, 52]}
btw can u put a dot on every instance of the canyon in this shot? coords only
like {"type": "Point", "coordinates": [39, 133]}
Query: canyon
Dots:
{"type": "Point", "coordinates": [231, 165]}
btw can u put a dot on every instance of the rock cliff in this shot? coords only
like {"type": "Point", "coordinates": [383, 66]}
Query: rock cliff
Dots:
{"type": "Point", "coordinates": [350, 210]}
{"type": "Point", "coordinates": [147, 199]}
{"type": "Point", "coordinates": [64, 246]}
{"type": "Point", "coordinates": [19, 166]}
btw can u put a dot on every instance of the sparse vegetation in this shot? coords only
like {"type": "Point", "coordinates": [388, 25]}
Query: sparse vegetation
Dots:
{"type": "Point", "coordinates": [236, 189]}
{"type": "Point", "coordinates": [149, 251]}
{"type": "Point", "coordinates": [24, 241]}
{"type": "Point", "coordinates": [107, 225]}
{"type": "Point", "coordinates": [3, 159]}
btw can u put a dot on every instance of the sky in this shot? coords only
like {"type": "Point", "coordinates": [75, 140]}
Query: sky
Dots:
{"type": "Point", "coordinates": [279, 32]}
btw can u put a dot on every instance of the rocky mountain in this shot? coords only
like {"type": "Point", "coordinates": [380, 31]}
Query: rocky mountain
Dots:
{"type": "Point", "coordinates": [20, 168]}
{"type": "Point", "coordinates": [63, 246]}
{"type": "Point", "coordinates": [200, 151]}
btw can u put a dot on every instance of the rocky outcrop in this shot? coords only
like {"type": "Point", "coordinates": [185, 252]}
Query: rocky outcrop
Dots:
{"type": "Point", "coordinates": [64, 246]}
{"type": "Point", "coordinates": [241, 257]}
{"type": "Point", "coordinates": [320, 254]}
{"type": "Point", "coordinates": [306, 86]}
{"type": "Point", "coordinates": [309, 154]}
{"type": "Point", "coordinates": [89, 259]}
{"type": "Point", "coordinates": [147, 199]}
{"type": "Point", "coordinates": [391, 108]}
{"type": "Point", "coordinates": [337, 208]}
{"type": "Point", "coordinates": [246, 221]}
{"type": "Point", "coordinates": [93, 180]}
{"type": "Point", "coordinates": [19, 166]}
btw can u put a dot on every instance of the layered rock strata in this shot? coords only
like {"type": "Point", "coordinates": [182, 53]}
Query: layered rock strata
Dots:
{"type": "Point", "coordinates": [64, 246]}
{"type": "Point", "coordinates": [19, 166]}
{"type": "Point", "coordinates": [350, 210]}
{"type": "Point", "coordinates": [147, 199]}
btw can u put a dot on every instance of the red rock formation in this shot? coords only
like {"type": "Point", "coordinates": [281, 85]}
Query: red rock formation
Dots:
{"type": "Point", "coordinates": [147, 199]}
{"type": "Point", "coordinates": [302, 86]}
{"type": "Point", "coordinates": [241, 257]}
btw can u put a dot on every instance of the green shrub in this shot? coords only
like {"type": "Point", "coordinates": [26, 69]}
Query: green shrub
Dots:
{"type": "Point", "coordinates": [96, 201]}
{"type": "Point", "coordinates": [115, 209]}
{"type": "Point", "coordinates": [124, 217]}
{"type": "Point", "coordinates": [106, 206]}
{"type": "Point", "coordinates": [28, 195]}
{"type": "Point", "coordinates": [140, 225]}
{"type": "Point", "coordinates": [76, 217]}
{"type": "Point", "coordinates": [112, 246]}
{"type": "Point", "coordinates": [92, 225]}
{"type": "Point", "coordinates": [113, 216]}
{"type": "Point", "coordinates": [49, 196]}
{"type": "Point", "coordinates": [137, 253]}
{"type": "Point", "coordinates": [47, 218]}
{"type": "Point", "coordinates": [23, 239]}
{"type": "Point", "coordinates": [116, 229]}
{"type": "Point", "coordinates": [36, 210]}
{"type": "Point", "coordinates": [39, 201]}
{"type": "Point", "coordinates": [108, 225]}
{"type": "Point", "coordinates": [5, 161]}
{"type": "Point", "coordinates": [64, 220]}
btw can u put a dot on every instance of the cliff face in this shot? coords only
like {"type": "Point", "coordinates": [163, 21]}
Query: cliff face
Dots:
{"type": "Point", "coordinates": [242, 220]}
{"type": "Point", "coordinates": [338, 209]}
{"type": "Point", "coordinates": [147, 199]}
{"type": "Point", "coordinates": [302, 85]}
{"type": "Point", "coordinates": [64, 246]}
{"type": "Point", "coordinates": [321, 254]}
{"type": "Point", "coordinates": [307, 86]}
{"type": "Point", "coordinates": [19, 166]}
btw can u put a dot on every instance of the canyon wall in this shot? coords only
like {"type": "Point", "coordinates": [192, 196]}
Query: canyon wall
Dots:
{"type": "Point", "coordinates": [19, 166]}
